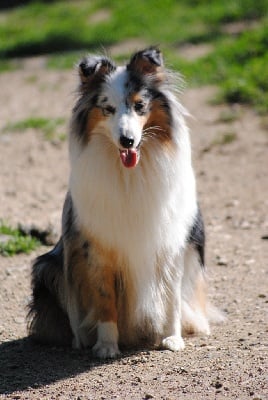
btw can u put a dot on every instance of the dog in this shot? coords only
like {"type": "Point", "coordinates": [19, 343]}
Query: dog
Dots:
{"type": "Point", "coordinates": [129, 269]}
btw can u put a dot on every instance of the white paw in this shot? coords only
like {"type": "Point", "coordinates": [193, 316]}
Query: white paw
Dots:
{"type": "Point", "coordinates": [173, 343]}
{"type": "Point", "coordinates": [105, 350]}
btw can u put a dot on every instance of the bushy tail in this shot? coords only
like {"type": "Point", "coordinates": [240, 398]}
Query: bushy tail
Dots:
{"type": "Point", "coordinates": [48, 323]}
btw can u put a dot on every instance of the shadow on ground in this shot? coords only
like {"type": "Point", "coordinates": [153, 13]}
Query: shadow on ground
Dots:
{"type": "Point", "coordinates": [53, 43]}
{"type": "Point", "coordinates": [25, 364]}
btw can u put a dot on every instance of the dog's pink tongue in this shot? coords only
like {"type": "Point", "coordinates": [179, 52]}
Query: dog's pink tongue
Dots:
{"type": "Point", "coordinates": [129, 158]}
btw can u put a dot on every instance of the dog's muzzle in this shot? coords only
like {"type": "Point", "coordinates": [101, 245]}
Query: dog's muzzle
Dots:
{"type": "Point", "coordinates": [126, 142]}
{"type": "Point", "coordinates": [129, 155]}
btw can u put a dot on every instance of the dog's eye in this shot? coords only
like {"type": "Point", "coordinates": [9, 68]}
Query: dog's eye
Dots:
{"type": "Point", "coordinates": [139, 107]}
{"type": "Point", "coordinates": [108, 110]}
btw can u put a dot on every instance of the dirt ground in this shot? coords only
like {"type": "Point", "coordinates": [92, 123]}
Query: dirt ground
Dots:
{"type": "Point", "coordinates": [233, 187]}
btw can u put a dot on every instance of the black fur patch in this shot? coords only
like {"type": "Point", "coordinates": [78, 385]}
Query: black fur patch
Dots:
{"type": "Point", "coordinates": [135, 82]}
{"type": "Point", "coordinates": [81, 122]}
{"type": "Point", "coordinates": [197, 236]}
{"type": "Point", "coordinates": [91, 65]}
{"type": "Point", "coordinates": [69, 229]}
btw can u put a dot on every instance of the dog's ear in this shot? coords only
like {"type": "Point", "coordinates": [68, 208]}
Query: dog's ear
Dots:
{"type": "Point", "coordinates": [93, 70]}
{"type": "Point", "coordinates": [148, 62]}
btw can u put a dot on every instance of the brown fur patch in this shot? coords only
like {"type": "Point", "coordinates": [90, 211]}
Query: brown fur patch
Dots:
{"type": "Point", "coordinates": [198, 304]}
{"type": "Point", "coordinates": [201, 294]}
{"type": "Point", "coordinates": [78, 275]}
{"type": "Point", "coordinates": [94, 280]}
{"type": "Point", "coordinates": [103, 255]}
{"type": "Point", "coordinates": [134, 97]}
{"type": "Point", "coordinates": [144, 67]}
{"type": "Point", "coordinates": [92, 70]}
{"type": "Point", "coordinates": [95, 116]}
{"type": "Point", "coordinates": [116, 297]}
{"type": "Point", "coordinates": [104, 296]}
{"type": "Point", "coordinates": [158, 118]}
{"type": "Point", "coordinates": [148, 62]}
{"type": "Point", "coordinates": [103, 278]}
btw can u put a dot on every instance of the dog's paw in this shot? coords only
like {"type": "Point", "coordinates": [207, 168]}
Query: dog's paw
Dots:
{"type": "Point", "coordinates": [107, 343]}
{"type": "Point", "coordinates": [173, 343]}
{"type": "Point", "coordinates": [105, 350]}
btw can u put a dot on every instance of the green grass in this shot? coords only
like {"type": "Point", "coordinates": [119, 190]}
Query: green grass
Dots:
{"type": "Point", "coordinates": [13, 241]}
{"type": "Point", "coordinates": [239, 67]}
{"type": "Point", "coordinates": [66, 29]}
{"type": "Point", "coordinates": [47, 126]}
{"type": "Point", "coordinates": [228, 116]}
{"type": "Point", "coordinates": [225, 138]}
{"type": "Point", "coordinates": [222, 140]}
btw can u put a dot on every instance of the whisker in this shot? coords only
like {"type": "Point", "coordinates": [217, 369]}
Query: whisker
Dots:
{"type": "Point", "coordinates": [148, 135]}
{"type": "Point", "coordinates": [151, 132]}
{"type": "Point", "coordinates": [152, 128]}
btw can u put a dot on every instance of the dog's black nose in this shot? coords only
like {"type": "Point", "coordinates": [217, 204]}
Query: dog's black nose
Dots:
{"type": "Point", "coordinates": [126, 142]}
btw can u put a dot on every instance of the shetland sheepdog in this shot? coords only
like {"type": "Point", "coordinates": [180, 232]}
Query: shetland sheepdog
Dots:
{"type": "Point", "coordinates": [128, 270]}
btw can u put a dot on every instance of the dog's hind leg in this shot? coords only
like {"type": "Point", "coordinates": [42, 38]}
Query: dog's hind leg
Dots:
{"type": "Point", "coordinates": [48, 321]}
{"type": "Point", "coordinates": [194, 299]}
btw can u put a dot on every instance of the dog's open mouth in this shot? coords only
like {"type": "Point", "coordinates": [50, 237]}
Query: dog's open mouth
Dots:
{"type": "Point", "coordinates": [130, 157]}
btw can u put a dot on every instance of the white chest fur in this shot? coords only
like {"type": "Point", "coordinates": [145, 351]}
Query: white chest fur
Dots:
{"type": "Point", "coordinates": [143, 213]}
{"type": "Point", "coordinates": [150, 206]}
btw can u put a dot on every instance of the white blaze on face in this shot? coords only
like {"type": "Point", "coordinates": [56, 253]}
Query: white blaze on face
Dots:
{"type": "Point", "coordinates": [125, 121]}
{"type": "Point", "coordinates": [129, 127]}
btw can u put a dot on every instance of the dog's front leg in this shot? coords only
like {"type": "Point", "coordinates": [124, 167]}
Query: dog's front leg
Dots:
{"type": "Point", "coordinates": [91, 300]}
{"type": "Point", "coordinates": [172, 339]}
{"type": "Point", "coordinates": [104, 303]}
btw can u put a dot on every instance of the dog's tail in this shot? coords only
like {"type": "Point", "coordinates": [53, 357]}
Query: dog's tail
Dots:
{"type": "Point", "coordinates": [48, 322]}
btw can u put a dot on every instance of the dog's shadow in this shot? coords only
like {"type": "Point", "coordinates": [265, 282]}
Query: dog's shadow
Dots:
{"type": "Point", "coordinates": [25, 364]}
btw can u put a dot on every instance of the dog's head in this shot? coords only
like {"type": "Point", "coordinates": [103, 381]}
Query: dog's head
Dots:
{"type": "Point", "coordinates": [126, 103]}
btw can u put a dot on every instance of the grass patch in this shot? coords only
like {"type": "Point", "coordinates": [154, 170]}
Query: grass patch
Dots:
{"type": "Point", "coordinates": [13, 241]}
{"type": "Point", "coordinates": [223, 140]}
{"type": "Point", "coordinates": [66, 29]}
{"type": "Point", "coordinates": [7, 65]}
{"type": "Point", "coordinates": [42, 27]}
{"type": "Point", "coordinates": [226, 138]}
{"type": "Point", "coordinates": [47, 126]}
{"type": "Point", "coordinates": [228, 116]}
{"type": "Point", "coordinates": [243, 71]}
